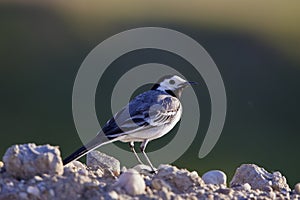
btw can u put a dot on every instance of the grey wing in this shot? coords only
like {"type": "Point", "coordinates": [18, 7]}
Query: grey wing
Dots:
{"type": "Point", "coordinates": [164, 112]}
{"type": "Point", "coordinates": [130, 119]}
{"type": "Point", "coordinates": [141, 115]}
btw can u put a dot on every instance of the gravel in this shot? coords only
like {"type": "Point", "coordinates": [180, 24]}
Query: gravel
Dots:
{"type": "Point", "coordinates": [36, 172]}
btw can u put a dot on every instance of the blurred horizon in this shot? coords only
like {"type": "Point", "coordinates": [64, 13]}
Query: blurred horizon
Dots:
{"type": "Point", "coordinates": [254, 44]}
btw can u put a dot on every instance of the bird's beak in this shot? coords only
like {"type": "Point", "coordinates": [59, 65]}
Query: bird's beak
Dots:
{"type": "Point", "coordinates": [192, 83]}
{"type": "Point", "coordinates": [188, 83]}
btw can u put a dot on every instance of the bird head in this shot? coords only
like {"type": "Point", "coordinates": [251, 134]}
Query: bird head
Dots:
{"type": "Point", "coordinates": [172, 84]}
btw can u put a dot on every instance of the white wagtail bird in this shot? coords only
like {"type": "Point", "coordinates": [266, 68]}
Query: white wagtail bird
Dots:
{"type": "Point", "coordinates": [146, 117]}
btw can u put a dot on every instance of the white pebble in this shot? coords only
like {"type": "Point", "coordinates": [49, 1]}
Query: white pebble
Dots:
{"type": "Point", "coordinates": [33, 190]}
{"type": "Point", "coordinates": [297, 188]}
{"type": "Point", "coordinates": [216, 177]}
{"type": "Point", "coordinates": [132, 182]}
{"type": "Point", "coordinates": [246, 186]}
{"type": "Point", "coordinates": [113, 195]}
{"type": "Point", "coordinates": [52, 193]}
{"type": "Point", "coordinates": [272, 195]}
{"type": "Point", "coordinates": [38, 178]}
{"type": "Point", "coordinates": [10, 183]}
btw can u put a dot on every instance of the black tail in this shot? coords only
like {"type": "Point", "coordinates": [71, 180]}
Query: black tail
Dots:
{"type": "Point", "coordinates": [98, 141]}
{"type": "Point", "coordinates": [76, 155]}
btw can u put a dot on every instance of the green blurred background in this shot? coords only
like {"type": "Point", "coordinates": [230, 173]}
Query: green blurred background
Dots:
{"type": "Point", "coordinates": [255, 45]}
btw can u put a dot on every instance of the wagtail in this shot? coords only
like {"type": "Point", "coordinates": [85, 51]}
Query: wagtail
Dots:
{"type": "Point", "coordinates": [146, 117]}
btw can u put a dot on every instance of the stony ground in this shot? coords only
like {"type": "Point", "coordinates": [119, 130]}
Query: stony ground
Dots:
{"type": "Point", "coordinates": [36, 172]}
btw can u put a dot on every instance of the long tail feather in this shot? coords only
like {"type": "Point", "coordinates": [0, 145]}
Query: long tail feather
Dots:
{"type": "Point", "coordinates": [98, 141]}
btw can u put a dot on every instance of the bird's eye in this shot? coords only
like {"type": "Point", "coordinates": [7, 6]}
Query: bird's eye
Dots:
{"type": "Point", "coordinates": [172, 82]}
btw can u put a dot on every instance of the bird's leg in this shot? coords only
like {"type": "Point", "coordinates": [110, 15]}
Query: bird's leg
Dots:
{"type": "Point", "coordinates": [131, 145]}
{"type": "Point", "coordinates": [143, 147]}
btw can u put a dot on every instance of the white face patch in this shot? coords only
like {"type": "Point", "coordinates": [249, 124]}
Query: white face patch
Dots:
{"type": "Point", "coordinates": [172, 83]}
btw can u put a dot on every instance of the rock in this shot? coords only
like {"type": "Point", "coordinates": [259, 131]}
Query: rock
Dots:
{"type": "Point", "coordinates": [177, 197]}
{"type": "Point", "coordinates": [259, 178]}
{"type": "Point", "coordinates": [33, 191]}
{"type": "Point", "coordinates": [216, 177]}
{"type": "Point", "coordinates": [164, 193]}
{"type": "Point", "coordinates": [297, 188]}
{"type": "Point", "coordinates": [123, 169]}
{"type": "Point", "coordinates": [1, 167]}
{"type": "Point", "coordinates": [210, 197]}
{"type": "Point", "coordinates": [38, 178]}
{"type": "Point", "coordinates": [23, 195]}
{"type": "Point", "coordinates": [243, 187]}
{"type": "Point", "coordinates": [226, 191]}
{"type": "Point", "coordinates": [246, 187]}
{"type": "Point", "coordinates": [98, 159]}
{"type": "Point", "coordinates": [113, 195]}
{"type": "Point", "coordinates": [52, 193]}
{"type": "Point", "coordinates": [132, 182]}
{"type": "Point", "coordinates": [272, 195]}
{"type": "Point", "coordinates": [26, 161]}
{"type": "Point", "coordinates": [268, 189]}
{"type": "Point", "coordinates": [179, 180]}
{"type": "Point", "coordinates": [158, 184]}
{"type": "Point", "coordinates": [77, 167]}
{"type": "Point", "coordinates": [279, 182]}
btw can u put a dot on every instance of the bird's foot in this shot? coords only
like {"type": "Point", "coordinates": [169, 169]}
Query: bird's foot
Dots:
{"type": "Point", "coordinates": [145, 169]}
